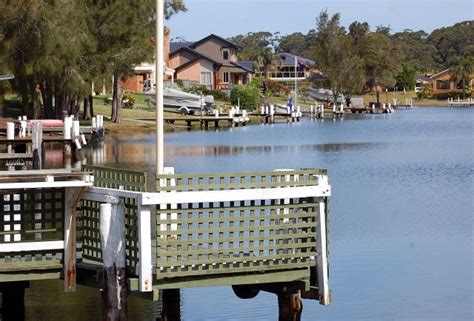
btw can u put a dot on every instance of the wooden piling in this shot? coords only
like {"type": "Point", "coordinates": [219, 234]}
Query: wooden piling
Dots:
{"type": "Point", "coordinates": [114, 280]}
{"type": "Point", "coordinates": [171, 310]}
{"type": "Point", "coordinates": [13, 300]}
{"type": "Point", "coordinates": [290, 306]}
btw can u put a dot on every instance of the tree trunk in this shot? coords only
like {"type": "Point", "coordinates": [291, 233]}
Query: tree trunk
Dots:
{"type": "Point", "coordinates": [47, 92]}
{"type": "Point", "coordinates": [88, 108]}
{"type": "Point", "coordinates": [2, 99]}
{"type": "Point", "coordinates": [24, 94]}
{"type": "Point", "coordinates": [116, 116]}
{"type": "Point", "coordinates": [378, 95]}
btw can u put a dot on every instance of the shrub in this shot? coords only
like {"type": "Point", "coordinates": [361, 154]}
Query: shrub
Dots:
{"type": "Point", "coordinates": [426, 91]}
{"type": "Point", "coordinates": [129, 99]}
{"type": "Point", "coordinates": [454, 94]}
{"type": "Point", "coordinates": [247, 94]}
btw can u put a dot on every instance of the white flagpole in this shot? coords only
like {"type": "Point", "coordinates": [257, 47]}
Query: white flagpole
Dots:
{"type": "Point", "coordinates": [159, 85]}
{"type": "Point", "coordinates": [296, 88]}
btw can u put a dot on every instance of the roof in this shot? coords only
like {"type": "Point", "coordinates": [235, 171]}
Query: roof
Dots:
{"type": "Point", "coordinates": [198, 57]}
{"type": "Point", "coordinates": [423, 78]}
{"type": "Point", "coordinates": [289, 59]}
{"type": "Point", "coordinates": [227, 42]}
{"type": "Point", "coordinates": [175, 46]}
{"type": "Point", "coordinates": [440, 73]}
{"type": "Point", "coordinates": [195, 53]}
{"type": "Point", "coordinates": [245, 65]}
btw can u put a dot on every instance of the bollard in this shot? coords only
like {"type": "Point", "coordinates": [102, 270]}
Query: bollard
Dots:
{"type": "Point", "coordinates": [10, 130]}
{"type": "Point", "coordinates": [83, 138]}
{"type": "Point", "coordinates": [67, 128]}
{"type": "Point", "coordinates": [77, 143]}
{"type": "Point", "coordinates": [75, 128]}
{"type": "Point", "coordinates": [216, 113]}
{"type": "Point", "coordinates": [266, 110]}
{"type": "Point", "coordinates": [94, 122]}
{"type": "Point", "coordinates": [262, 110]}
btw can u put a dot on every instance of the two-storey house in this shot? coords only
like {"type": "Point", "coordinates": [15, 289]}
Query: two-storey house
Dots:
{"type": "Point", "coordinates": [211, 61]}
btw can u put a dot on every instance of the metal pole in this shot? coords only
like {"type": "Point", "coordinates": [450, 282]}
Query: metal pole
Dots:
{"type": "Point", "coordinates": [296, 89]}
{"type": "Point", "coordinates": [159, 85]}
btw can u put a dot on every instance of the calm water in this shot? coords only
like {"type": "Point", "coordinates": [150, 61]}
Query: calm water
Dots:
{"type": "Point", "coordinates": [401, 229]}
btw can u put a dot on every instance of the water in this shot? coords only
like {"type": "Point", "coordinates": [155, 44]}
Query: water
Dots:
{"type": "Point", "coordinates": [401, 210]}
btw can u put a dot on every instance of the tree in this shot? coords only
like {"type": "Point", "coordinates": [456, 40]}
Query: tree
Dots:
{"type": "Point", "coordinates": [453, 43]}
{"type": "Point", "coordinates": [462, 73]}
{"type": "Point", "coordinates": [417, 50]}
{"type": "Point", "coordinates": [358, 30]}
{"type": "Point", "coordinates": [335, 56]}
{"type": "Point", "coordinates": [256, 47]}
{"type": "Point", "coordinates": [381, 61]}
{"type": "Point", "coordinates": [406, 78]}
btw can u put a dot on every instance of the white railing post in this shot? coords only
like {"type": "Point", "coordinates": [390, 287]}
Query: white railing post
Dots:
{"type": "Point", "coordinates": [322, 258]}
{"type": "Point", "coordinates": [145, 278]}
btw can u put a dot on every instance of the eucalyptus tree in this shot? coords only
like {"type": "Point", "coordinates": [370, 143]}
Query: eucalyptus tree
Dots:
{"type": "Point", "coordinates": [381, 61]}
{"type": "Point", "coordinates": [335, 56]}
{"type": "Point", "coordinates": [124, 32]}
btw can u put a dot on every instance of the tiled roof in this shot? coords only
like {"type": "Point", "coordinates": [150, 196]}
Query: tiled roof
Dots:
{"type": "Point", "coordinates": [175, 46]}
{"type": "Point", "coordinates": [288, 59]}
{"type": "Point", "coordinates": [246, 65]}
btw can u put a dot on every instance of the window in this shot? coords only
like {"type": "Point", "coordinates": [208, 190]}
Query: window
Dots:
{"type": "Point", "coordinates": [442, 84]}
{"type": "Point", "coordinates": [206, 79]}
{"type": "Point", "coordinates": [226, 76]}
{"type": "Point", "coordinates": [225, 54]}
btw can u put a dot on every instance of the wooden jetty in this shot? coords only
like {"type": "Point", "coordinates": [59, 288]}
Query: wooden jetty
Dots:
{"type": "Point", "coordinates": [254, 231]}
{"type": "Point", "coordinates": [319, 112]}
{"type": "Point", "coordinates": [269, 115]}
{"type": "Point", "coordinates": [460, 103]}
{"type": "Point", "coordinates": [204, 121]}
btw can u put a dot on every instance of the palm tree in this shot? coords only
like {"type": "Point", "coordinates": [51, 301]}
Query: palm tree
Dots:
{"type": "Point", "coordinates": [462, 73]}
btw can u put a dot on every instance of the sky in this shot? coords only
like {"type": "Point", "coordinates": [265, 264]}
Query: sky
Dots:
{"type": "Point", "coordinates": [228, 18]}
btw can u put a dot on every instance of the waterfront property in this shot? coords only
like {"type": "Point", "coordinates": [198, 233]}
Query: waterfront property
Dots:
{"type": "Point", "coordinates": [443, 83]}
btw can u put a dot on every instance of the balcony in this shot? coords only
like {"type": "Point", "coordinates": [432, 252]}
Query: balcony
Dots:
{"type": "Point", "coordinates": [286, 75]}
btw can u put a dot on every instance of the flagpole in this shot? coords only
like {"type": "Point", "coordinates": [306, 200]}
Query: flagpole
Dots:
{"type": "Point", "coordinates": [296, 88]}
{"type": "Point", "coordinates": [159, 85]}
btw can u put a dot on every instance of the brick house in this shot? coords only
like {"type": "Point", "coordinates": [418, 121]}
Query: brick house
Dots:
{"type": "Point", "coordinates": [211, 61]}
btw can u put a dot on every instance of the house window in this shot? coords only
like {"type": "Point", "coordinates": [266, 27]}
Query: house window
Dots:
{"type": "Point", "coordinates": [442, 84]}
{"type": "Point", "coordinates": [225, 54]}
{"type": "Point", "coordinates": [226, 76]}
{"type": "Point", "coordinates": [206, 79]}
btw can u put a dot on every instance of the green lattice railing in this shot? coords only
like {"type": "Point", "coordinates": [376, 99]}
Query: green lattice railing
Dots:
{"type": "Point", "coordinates": [255, 235]}
{"type": "Point", "coordinates": [89, 219]}
{"type": "Point", "coordinates": [29, 215]}
{"type": "Point", "coordinates": [234, 181]}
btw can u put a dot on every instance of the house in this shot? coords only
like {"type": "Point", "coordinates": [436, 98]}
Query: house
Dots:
{"type": "Point", "coordinates": [442, 83]}
{"type": "Point", "coordinates": [420, 81]}
{"type": "Point", "coordinates": [211, 62]}
{"type": "Point", "coordinates": [144, 73]}
{"type": "Point", "coordinates": [289, 67]}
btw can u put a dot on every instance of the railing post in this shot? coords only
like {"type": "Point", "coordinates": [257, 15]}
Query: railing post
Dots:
{"type": "Point", "coordinates": [322, 258]}
{"type": "Point", "coordinates": [114, 281]}
{"type": "Point", "coordinates": [145, 277]}
{"type": "Point", "coordinates": [73, 196]}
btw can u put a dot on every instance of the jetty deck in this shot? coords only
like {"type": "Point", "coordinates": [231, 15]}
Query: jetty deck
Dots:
{"type": "Point", "coordinates": [254, 231]}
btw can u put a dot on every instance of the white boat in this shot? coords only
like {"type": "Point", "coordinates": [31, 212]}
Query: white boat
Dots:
{"type": "Point", "coordinates": [180, 101]}
{"type": "Point", "coordinates": [6, 77]}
